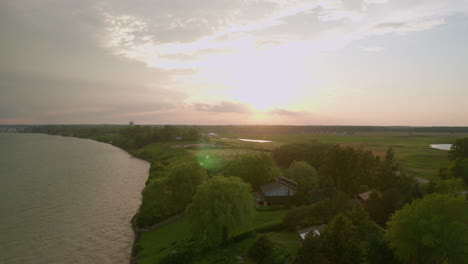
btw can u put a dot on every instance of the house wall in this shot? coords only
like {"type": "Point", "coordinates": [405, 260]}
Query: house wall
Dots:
{"type": "Point", "coordinates": [280, 191]}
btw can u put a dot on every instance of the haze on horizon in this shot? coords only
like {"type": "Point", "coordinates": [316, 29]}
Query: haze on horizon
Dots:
{"type": "Point", "coordinates": [288, 62]}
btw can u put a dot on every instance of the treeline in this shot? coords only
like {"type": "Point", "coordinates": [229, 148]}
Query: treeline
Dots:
{"type": "Point", "coordinates": [129, 137]}
{"type": "Point", "coordinates": [289, 130]}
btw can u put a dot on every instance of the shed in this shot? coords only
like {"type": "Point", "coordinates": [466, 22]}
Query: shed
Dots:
{"type": "Point", "coordinates": [316, 230]}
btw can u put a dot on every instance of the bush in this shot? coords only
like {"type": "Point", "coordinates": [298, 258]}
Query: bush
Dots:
{"type": "Point", "coordinates": [261, 250]}
{"type": "Point", "coordinates": [270, 208]}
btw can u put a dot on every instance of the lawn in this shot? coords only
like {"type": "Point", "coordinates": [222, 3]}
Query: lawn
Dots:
{"type": "Point", "coordinates": [157, 243]}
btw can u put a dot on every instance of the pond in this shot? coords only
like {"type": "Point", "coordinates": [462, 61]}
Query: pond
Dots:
{"type": "Point", "coordinates": [441, 146]}
{"type": "Point", "coordinates": [254, 140]}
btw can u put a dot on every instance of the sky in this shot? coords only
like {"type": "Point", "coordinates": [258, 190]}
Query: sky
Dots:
{"type": "Point", "coordinates": [228, 62]}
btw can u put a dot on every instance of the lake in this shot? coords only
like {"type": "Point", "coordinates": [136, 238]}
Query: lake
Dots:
{"type": "Point", "coordinates": [441, 146]}
{"type": "Point", "coordinates": [66, 200]}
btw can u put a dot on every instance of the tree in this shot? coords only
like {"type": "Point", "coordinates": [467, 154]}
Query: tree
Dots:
{"type": "Point", "coordinates": [379, 252]}
{"type": "Point", "coordinates": [459, 169]}
{"type": "Point", "coordinates": [340, 241]}
{"type": "Point", "coordinates": [311, 153]}
{"type": "Point", "coordinates": [261, 251]}
{"type": "Point", "coordinates": [253, 169]}
{"type": "Point", "coordinates": [222, 208]}
{"type": "Point", "coordinates": [184, 180]}
{"type": "Point", "coordinates": [431, 230]}
{"type": "Point", "coordinates": [305, 175]}
{"type": "Point", "coordinates": [449, 186]}
{"type": "Point", "coordinates": [169, 193]}
{"type": "Point", "coordinates": [350, 168]}
{"type": "Point", "coordinates": [311, 251]}
{"type": "Point", "coordinates": [459, 149]}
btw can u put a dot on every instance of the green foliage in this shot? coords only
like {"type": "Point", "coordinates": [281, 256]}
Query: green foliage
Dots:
{"type": "Point", "coordinates": [363, 225]}
{"type": "Point", "coordinates": [431, 230]}
{"type": "Point", "coordinates": [176, 258]}
{"type": "Point", "coordinates": [265, 251]}
{"type": "Point", "coordinates": [449, 186]}
{"type": "Point", "coordinates": [171, 193]}
{"type": "Point", "coordinates": [311, 153]}
{"type": "Point", "coordinates": [340, 242]}
{"type": "Point", "coordinates": [261, 250]}
{"type": "Point", "coordinates": [459, 149]}
{"type": "Point", "coordinates": [379, 252]}
{"type": "Point", "coordinates": [459, 169]}
{"type": "Point", "coordinates": [380, 208]}
{"type": "Point", "coordinates": [222, 208]}
{"type": "Point", "coordinates": [305, 175]}
{"type": "Point", "coordinates": [254, 169]}
{"type": "Point", "coordinates": [163, 153]}
{"type": "Point", "coordinates": [350, 168]}
{"type": "Point", "coordinates": [161, 241]}
{"type": "Point", "coordinates": [156, 170]}
{"type": "Point", "coordinates": [312, 251]}
{"type": "Point", "coordinates": [317, 213]}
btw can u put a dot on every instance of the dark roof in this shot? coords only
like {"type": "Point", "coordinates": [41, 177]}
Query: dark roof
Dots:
{"type": "Point", "coordinates": [287, 182]}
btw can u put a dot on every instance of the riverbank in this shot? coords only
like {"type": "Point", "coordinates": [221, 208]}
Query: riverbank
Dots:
{"type": "Point", "coordinates": [67, 200]}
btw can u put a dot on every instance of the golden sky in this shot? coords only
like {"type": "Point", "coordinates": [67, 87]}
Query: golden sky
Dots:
{"type": "Point", "coordinates": [290, 62]}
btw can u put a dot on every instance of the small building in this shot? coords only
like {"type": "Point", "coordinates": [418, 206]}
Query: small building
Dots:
{"type": "Point", "coordinates": [315, 230]}
{"type": "Point", "coordinates": [276, 192]}
{"type": "Point", "coordinates": [364, 196]}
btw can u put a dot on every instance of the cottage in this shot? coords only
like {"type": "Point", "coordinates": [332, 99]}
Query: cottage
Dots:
{"type": "Point", "coordinates": [315, 230]}
{"type": "Point", "coordinates": [276, 192]}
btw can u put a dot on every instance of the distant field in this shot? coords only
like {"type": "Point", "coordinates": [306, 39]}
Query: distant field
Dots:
{"type": "Point", "coordinates": [227, 153]}
{"type": "Point", "coordinates": [411, 150]}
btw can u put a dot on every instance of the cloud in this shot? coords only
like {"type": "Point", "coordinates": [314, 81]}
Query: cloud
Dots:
{"type": "Point", "coordinates": [224, 107]}
{"type": "Point", "coordinates": [403, 27]}
{"type": "Point", "coordinates": [280, 111]}
{"type": "Point", "coordinates": [189, 36]}
{"type": "Point", "coordinates": [61, 100]}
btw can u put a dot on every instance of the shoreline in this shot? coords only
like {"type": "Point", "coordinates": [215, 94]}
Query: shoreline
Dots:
{"type": "Point", "coordinates": [135, 229]}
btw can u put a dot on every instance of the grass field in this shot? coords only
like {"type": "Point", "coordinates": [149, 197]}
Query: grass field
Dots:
{"type": "Point", "coordinates": [412, 151]}
{"type": "Point", "coordinates": [157, 243]}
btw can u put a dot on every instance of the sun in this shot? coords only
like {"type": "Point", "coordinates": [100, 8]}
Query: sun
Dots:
{"type": "Point", "coordinates": [262, 85]}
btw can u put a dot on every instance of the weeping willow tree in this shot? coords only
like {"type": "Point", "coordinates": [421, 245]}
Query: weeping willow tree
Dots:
{"type": "Point", "coordinates": [222, 208]}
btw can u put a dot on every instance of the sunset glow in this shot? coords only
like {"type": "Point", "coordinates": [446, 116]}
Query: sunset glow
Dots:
{"type": "Point", "coordinates": [235, 62]}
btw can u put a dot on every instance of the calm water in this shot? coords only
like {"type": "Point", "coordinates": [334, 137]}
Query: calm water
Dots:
{"type": "Point", "coordinates": [66, 200]}
{"type": "Point", "coordinates": [254, 140]}
{"type": "Point", "coordinates": [441, 146]}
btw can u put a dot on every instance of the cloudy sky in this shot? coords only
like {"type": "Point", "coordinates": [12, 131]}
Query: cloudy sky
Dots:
{"type": "Point", "coordinates": [291, 62]}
